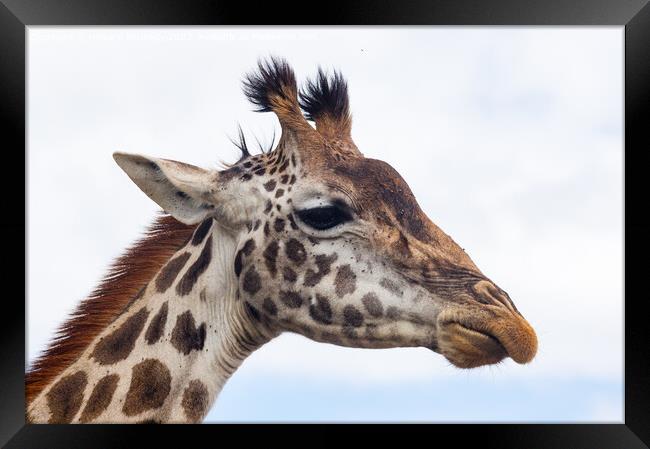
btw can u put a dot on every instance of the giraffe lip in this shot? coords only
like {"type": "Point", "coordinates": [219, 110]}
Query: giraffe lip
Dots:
{"type": "Point", "coordinates": [482, 334]}
{"type": "Point", "coordinates": [467, 347]}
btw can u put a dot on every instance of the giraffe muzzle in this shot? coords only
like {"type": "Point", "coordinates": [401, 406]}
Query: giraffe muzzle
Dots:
{"type": "Point", "coordinates": [469, 339]}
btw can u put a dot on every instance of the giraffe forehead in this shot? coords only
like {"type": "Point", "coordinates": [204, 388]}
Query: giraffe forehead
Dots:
{"type": "Point", "coordinates": [377, 187]}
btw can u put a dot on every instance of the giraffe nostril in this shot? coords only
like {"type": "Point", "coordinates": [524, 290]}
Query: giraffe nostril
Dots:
{"type": "Point", "coordinates": [488, 293]}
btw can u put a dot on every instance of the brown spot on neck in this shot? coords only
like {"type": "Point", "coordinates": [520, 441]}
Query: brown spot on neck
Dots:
{"type": "Point", "coordinates": [150, 386]}
{"type": "Point", "coordinates": [186, 337]}
{"type": "Point", "coordinates": [100, 398]}
{"type": "Point", "coordinates": [192, 274]}
{"type": "Point", "coordinates": [118, 345]}
{"type": "Point", "coordinates": [157, 325]}
{"type": "Point", "coordinates": [195, 400]}
{"type": "Point", "coordinates": [201, 231]}
{"type": "Point", "coordinates": [169, 272]}
{"type": "Point", "coordinates": [64, 398]}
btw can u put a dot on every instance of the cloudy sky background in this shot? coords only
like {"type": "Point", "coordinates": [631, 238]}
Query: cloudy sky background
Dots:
{"type": "Point", "coordinates": [510, 138]}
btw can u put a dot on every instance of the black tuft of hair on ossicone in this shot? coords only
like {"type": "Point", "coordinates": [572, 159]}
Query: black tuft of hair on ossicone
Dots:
{"type": "Point", "coordinates": [325, 95]}
{"type": "Point", "coordinates": [274, 76]}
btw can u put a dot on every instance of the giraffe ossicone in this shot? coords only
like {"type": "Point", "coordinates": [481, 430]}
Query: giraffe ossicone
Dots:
{"type": "Point", "coordinates": [311, 237]}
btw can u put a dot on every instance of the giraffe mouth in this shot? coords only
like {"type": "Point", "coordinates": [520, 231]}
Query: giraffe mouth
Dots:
{"type": "Point", "coordinates": [468, 347]}
{"type": "Point", "coordinates": [469, 339]}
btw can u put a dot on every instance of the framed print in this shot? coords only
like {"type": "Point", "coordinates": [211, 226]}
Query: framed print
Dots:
{"type": "Point", "coordinates": [417, 221]}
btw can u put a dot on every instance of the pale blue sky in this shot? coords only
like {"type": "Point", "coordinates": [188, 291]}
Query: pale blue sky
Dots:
{"type": "Point", "coordinates": [510, 138]}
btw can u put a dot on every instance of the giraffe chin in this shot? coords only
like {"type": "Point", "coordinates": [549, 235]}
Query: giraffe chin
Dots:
{"type": "Point", "coordinates": [469, 348]}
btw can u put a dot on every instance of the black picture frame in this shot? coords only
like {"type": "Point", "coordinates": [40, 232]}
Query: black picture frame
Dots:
{"type": "Point", "coordinates": [634, 15]}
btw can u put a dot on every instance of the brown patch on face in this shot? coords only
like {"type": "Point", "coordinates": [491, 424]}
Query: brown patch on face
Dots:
{"type": "Point", "coordinates": [375, 180]}
{"type": "Point", "coordinates": [248, 248]}
{"type": "Point", "coordinates": [289, 275]}
{"type": "Point", "coordinates": [293, 179]}
{"type": "Point", "coordinates": [269, 186]}
{"type": "Point", "coordinates": [201, 231]}
{"type": "Point", "coordinates": [238, 263]}
{"type": "Point", "coordinates": [279, 193]}
{"type": "Point", "coordinates": [100, 398]}
{"type": "Point", "coordinates": [157, 325]}
{"type": "Point", "coordinates": [331, 338]}
{"type": "Point", "coordinates": [284, 179]}
{"type": "Point", "coordinates": [192, 274]}
{"type": "Point", "coordinates": [290, 299]}
{"type": "Point", "coordinates": [169, 272]}
{"type": "Point", "coordinates": [267, 229]}
{"type": "Point", "coordinates": [268, 206]}
{"type": "Point", "coordinates": [321, 311]}
{"type": "Point", "coordinates": [393, 312]}
{"type": "Point", "coordinates": [150, 386]}
{"type": "Point", "coordinates": [252, 311]}
{"type": "Point", "coordinates": [270, 257]}
{"type": "Point", "coordinates": [195, 400]}
{"type": "Point", "coordinates": [252, 282]}
{"type": "Point", "coordinates": [269, 306]}
{"type": "Point", "coordinates": [352, 316]}
{"type": "Point", "coordinates": [372, 305]}
{"type": "Point", "coordinates": [402, 245]}
{"type": "Point", "coordinates": [345, 281]}
{"type": "Point", "coordinates": [324, 264]}
{"type": "Point", "coordinates": [292, 221]}
{"type": "Point", "coordinates": [349, 332]}
{"type": "Point", "coordinates": [186, 336]}
{"type": "Point", "coordinates": [391, 287]}
{"type": "Point", "coordinates": [64, 398]}
{"type": "Point", "coordinates": [295, 251]}
{"type": "Point", "coordinates": [118, 344]}
{"type": "Point", "coordinates": [278, 225]}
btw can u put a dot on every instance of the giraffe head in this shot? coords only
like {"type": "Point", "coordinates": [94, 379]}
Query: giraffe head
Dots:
{"type": "Point", "coordinates": [333, 245]}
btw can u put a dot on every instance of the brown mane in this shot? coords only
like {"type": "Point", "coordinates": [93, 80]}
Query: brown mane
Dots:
{"type": "Point", "coordinates": [126, 277]}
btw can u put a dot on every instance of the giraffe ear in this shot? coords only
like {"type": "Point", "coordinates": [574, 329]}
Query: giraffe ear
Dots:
{"type": "Point", "coordinates": [182, 190]}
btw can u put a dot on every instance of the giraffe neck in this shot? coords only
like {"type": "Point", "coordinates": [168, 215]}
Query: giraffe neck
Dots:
{"type": "Point", "coordinates": [168, 355]}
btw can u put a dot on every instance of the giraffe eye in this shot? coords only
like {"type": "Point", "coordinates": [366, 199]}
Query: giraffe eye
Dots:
{"type": "Point", "coordinates": [324, 217]}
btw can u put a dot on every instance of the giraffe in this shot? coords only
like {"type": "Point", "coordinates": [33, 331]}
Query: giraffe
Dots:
{"type": "Point", "coordinates": [311, 237]}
